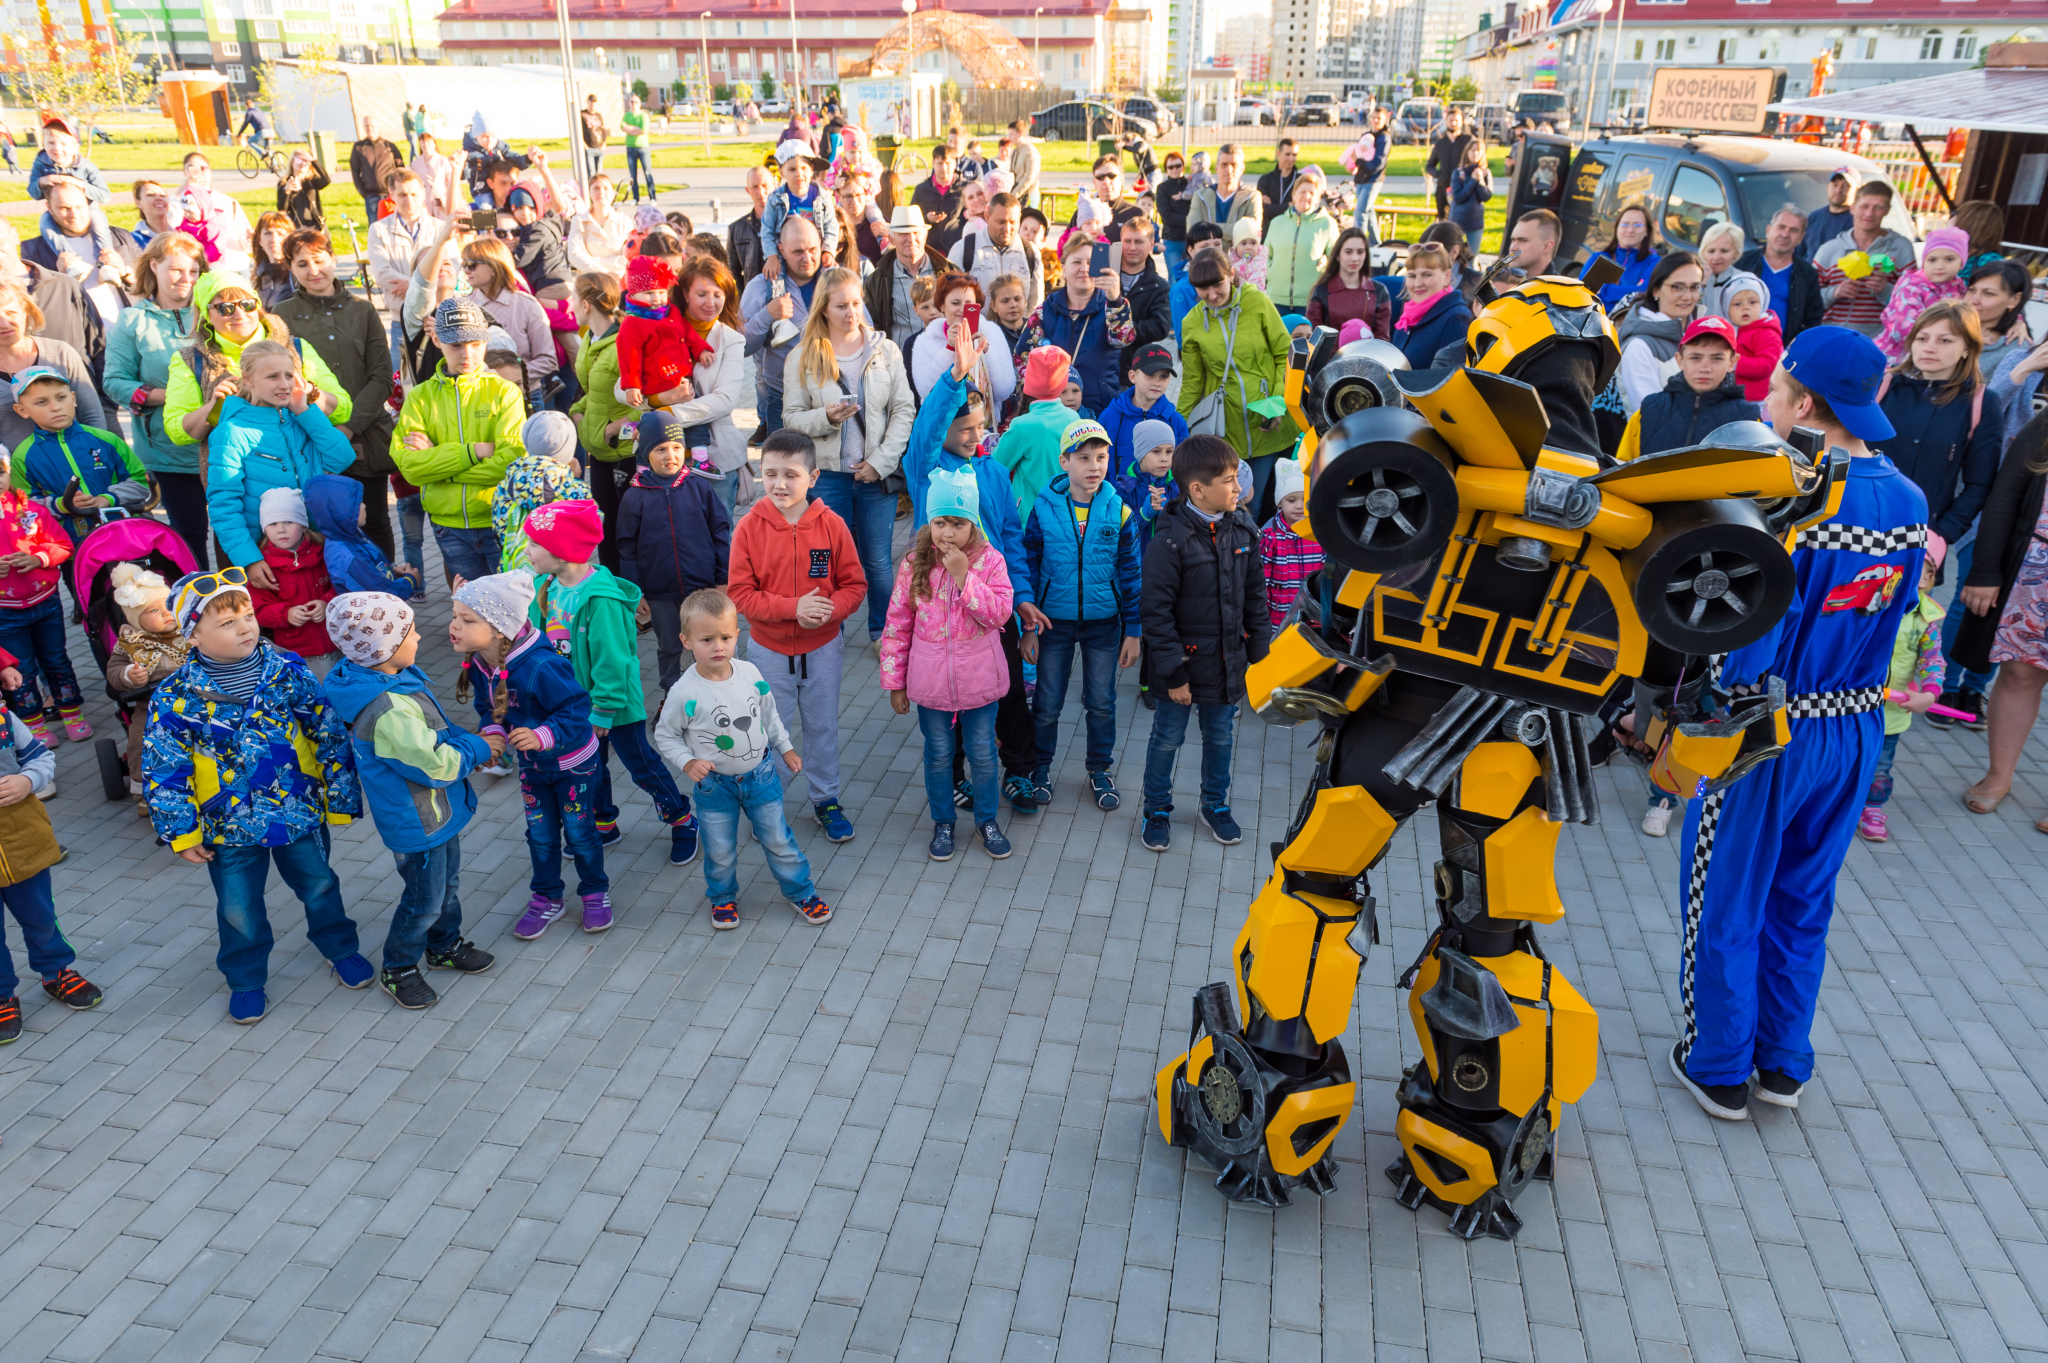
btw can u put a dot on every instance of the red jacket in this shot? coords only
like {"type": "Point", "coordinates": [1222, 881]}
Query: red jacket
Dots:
{"type": "Point", "coordinates": [301, 577]}
{"type": "Point", "coordinates": [27, 528]}
{"type": "Point", "coordinates": [1757, 348]}
{"type": "Point", "coordinates": [774, 563]}
{"type": "Point", "coordinates": [657, 354]}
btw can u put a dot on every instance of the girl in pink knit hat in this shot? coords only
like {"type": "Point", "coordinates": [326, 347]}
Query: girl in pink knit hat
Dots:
{"type": "Point", "coordinates": [1936, 277]}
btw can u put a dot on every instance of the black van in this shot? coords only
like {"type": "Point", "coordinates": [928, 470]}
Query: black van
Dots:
{"type": "Point", "coordinates": [1688, 183]}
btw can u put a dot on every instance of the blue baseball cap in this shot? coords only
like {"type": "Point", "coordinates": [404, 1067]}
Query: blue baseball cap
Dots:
{"type": "Point", "coordinates": [1846, 368]}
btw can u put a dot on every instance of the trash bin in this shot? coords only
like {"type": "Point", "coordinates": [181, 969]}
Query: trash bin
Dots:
{"type": "Point", "coordinates": [1107, 146]}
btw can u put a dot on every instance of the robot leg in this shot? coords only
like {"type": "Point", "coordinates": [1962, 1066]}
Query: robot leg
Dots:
{"type": "Point", "coordinates": [1506, 1040]}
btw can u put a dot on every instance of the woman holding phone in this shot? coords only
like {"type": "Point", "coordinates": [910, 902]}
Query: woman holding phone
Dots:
{"type": "Point", "coordinates": [958, 298]}
{"type": "Point", "coordinates": [1088, 317]}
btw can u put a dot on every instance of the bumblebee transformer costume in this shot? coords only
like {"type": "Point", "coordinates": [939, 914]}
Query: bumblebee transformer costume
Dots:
{"type": "Point", "coordinates": [1490, 584]}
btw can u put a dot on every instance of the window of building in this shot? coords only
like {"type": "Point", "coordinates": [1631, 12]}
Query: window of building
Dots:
{"type": "Point", "coordinates": [1638, 52]}
{"type": "Point", "coordinates": [504, 30]}
{"type": "Point", "coordinates": [1667, 48]}
{"type": "Point", "coordinates": [746, 61]}
{"type": "Point", "coordinates": [1726, 51]}
{"type": "Point", "coordinates": [582, 29]}
{"type": "Point", "coordinates": [1930, 48]}
{"type": "Point", "coordinates": [739, 28]}
{"type": "Point", "coordinates": [611, 29]}
{"type": "Point", "coordinates": [1066, 26]}
{"type": "Point", "coordinates": [659, 25]}
{"type": "Point", "coordinates": [632, 61]}
{"type": "Point", "coordinates": [235, 75]}
{"type": "Point", "coordinates": [270, 52]}
{"type": "Point", "coordinates": [231, 50]}
{"type": "Point", "coordinates": [265, 28]}
{"type": "Point", "coordinates": [846, 28]}
{"type": "Point", "coordinates": [718, 61]}
{"type": "Point", "coordinates": [661, 61]}
{"type": "Point", "coordinates": [1080, 62]}
{"type": "Point", "coordinates": [1870, 49]}
{"type": "Point", "coordinates": [1966, 49]}
{"type": "Point", "coordinates": [632, 28]}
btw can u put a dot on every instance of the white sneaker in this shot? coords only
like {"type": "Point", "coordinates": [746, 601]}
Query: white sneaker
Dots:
{"type": "Point", "coordinates": [48, 792]}
{"type": "Point", "coordinates": [1657, 819]}
{"type": "Point", "coordinates": [501, 767]}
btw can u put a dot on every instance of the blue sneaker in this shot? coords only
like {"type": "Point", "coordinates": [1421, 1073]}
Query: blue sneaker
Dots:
{"type": "Point", "coordinates": [832, 818]}
{"type": "Point", "coordinates": [942, 842]}
{"type": "Point", "coordinates": [992, 840]}
{"type": "Point", "coordinates": [1041, 786]}
{"type": "Point", "coordinates": [1106, 796]}
{"type": "Point", "coordinates": [682, 841]}
{"type": "Point", "coordinates": [1158, 833]}
{"type": "Point", "coordinates": [352, 970]}
{"type": "Point", "coordinates": [1221, 826]}
{"type": "Point", "coordinates": [248, 1005]}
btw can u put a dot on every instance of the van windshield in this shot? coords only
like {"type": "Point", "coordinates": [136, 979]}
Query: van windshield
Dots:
{"type": "Point", "coordinates": [1539, 103]}
{"type": "Point", "coordinates": [1765, 192]}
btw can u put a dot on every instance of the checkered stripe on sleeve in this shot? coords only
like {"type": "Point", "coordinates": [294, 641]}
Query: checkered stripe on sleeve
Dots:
{"type": "Point", "coordinates": [1860, 540]}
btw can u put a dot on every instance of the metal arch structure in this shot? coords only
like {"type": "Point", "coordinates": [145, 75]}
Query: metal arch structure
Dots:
{"type": "Point", "coordinates": [994, 59]}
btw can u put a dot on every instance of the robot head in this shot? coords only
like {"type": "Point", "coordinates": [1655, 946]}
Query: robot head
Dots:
{"type": "Point", "coordinates": [1544, 314]}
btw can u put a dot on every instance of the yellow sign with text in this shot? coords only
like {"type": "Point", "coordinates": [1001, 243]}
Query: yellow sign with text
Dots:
{"type": "Point", "coordinates": [1728, 99]}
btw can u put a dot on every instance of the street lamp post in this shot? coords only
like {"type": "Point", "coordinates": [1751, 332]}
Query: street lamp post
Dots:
{"type": "Point", "coordinates": [910, 51]}
{"type": "Point", "coordinates": [1600, 7]}
{"type": "Point", "coordinates": [704, 51]}
{"type": "Point", "coordinates": [1187, 83]}
{"type": "Point", "coordinates": [1614, 57]}
{"type": "Point", "coordinates": [795, 63]}
{"type": "Point", "coordinates": [1038, 42]}
{"type": "Point", "coordinates": [581, 161]}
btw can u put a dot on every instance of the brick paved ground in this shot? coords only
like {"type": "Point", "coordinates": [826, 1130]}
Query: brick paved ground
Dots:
{"type": "Point", "coordinates": [925, 1131]}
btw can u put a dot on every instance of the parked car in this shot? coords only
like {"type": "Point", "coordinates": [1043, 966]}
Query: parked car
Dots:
{"type": "Point", "coordinates": [1162, 116]}
{"type": "Point", "coordinates": [1256, 111]}
{"type": "Point", "coordinates": [1081, 119]}
{"type": "Point", "coordinates": [1315, 108]}
{"type": "Point", "coordinates": [1492, 120]}
{"type": "Point", "coordinates": [1534, 107]}
{"type": "Point", "coordinates": [682, 108]}
{"type": "Point", "coordinates": [778, 107]}
{"type": "Point", "coordinates": [1417, 121]}
{"type": "Point", "coordinates": [1688, 184]}
{"type": "Point", "coordinates": [722, 107]}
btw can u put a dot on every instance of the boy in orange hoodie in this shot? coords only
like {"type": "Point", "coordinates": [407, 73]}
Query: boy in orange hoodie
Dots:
{"type": "Point", "coordinates": [795, 576]}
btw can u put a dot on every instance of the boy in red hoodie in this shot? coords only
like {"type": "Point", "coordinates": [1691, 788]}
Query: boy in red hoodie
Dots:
{"type": "Point", "coordinates": [795, 576]}
{"type": "Point", "coordinates": [32, 544]}
{"type": "Point", "coordinates": [296, 613]}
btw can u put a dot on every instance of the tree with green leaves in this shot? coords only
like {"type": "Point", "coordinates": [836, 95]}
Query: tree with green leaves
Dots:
{"type": "Point", "coordinates": [767, 86]}
{"type": "Point", "coordinates": [79, 78]}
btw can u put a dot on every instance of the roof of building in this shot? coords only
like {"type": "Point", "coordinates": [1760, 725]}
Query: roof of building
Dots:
{"type": "Point", "coordinates": [1994, 101]}
{"type": "Point", "coordinates": [1830, 13]}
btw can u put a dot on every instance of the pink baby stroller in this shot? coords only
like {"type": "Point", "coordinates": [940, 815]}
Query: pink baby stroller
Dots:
{"type": "Point", "coordinates": [121, 539]}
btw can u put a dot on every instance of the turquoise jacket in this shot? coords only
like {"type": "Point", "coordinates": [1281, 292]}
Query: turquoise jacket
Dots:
{"type": "Point", "coordinates": [255, 449]}
{"type": "Point", "coordinates": [144, 345]}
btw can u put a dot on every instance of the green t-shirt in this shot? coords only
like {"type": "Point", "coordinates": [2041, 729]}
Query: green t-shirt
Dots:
{"type": "Point", "coordinates": [635, 125]}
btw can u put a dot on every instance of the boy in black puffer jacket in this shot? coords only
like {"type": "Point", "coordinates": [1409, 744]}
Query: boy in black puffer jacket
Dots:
{"type": "Point", "coordinates": [1701, 397]}
{"type": "Point", "coordinates": [1205, 621]}
{"type": "Point", "coordinates": [674, 537]}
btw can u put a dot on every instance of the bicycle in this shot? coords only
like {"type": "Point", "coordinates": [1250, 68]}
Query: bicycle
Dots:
{"type": "Point", "coordinates": [253, 162]}
{"type": "Point", "coordinates": [361, 277]}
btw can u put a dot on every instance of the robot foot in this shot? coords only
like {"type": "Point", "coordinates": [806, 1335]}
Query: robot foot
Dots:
{"type": "Point", "coordinates": [1244, 1175]}
{"type": "Point", "coordinates": [1492, 1215]}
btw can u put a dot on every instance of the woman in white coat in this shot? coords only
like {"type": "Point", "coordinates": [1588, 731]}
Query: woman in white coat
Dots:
{"type": "Point", "coordinates": [711, 304]}
{"type": "Point", "coordinates": [597, 236]}
{"type": "Point", "coordinates": [846, 389]}
{"type": "Point", "coordinates": [931, 355]}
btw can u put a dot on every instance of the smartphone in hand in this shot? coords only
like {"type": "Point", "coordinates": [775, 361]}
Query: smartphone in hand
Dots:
{"type": "Point", "coordinates": [972, 316]}
{"type": "Point", "coordinates": [1098, 258]}
{"type": "Point", "coordinates": [483, 221]}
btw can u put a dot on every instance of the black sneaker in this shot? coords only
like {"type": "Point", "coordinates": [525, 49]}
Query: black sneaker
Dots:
{"type": "Point", "coordinates": [1777, 1088]}
{"type": "Point", "coordinates": [467, 957]}
{"type": "Point", "coordinates": [1221, 826]}
{"type": "Point", "coordinates": [408, 987]}
{"type": "Point", "coordinates": [10, 1019]}
{"type": "Point", "coordinates": [1952, 700]}
{"type": "Point", "coordinates": [1023, 794]}
{"type": "Point", "coordinates": [1041, 787]}
{"type": "Point", "coordinates": [1971, 701]}
{"type": "Point", "coordinates": [963, 794]}
{"type": "Point", "coordinates": [1157, 833]}
{"type": "Point", "coordinates": [1147, 699]}
{"type": "Point", "coordinates": [1729, 1102]}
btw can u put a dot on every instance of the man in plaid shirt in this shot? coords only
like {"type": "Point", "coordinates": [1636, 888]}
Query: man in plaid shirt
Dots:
{"type": "Point", "coordinates": [1858, 303]}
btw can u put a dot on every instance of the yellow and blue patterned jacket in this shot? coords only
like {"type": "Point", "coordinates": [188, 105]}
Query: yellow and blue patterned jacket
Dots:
{"type": "Point", "coordinates": [261, 774]}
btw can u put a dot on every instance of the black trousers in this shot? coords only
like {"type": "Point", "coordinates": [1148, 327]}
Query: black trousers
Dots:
{"type": "Point", "coordinates": [1016, 731]}
{"type": "Point", "coordinates": [377, 511]}
{"type": "Point", "coordinates": [608, 480]}
{"type": "Point", "coordinates": [184, 501]}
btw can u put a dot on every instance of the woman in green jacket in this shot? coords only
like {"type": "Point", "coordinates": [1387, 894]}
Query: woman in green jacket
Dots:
{"type": "Point", "coordinates": [1234, 340]}
{"type": "Point", "coordinates": [141, 352]}
{"type": "Point", "coordinates": [1299, 243]}
{"type": "Point", "coordinates": [227, 315]}
{"type": "Point", "coordinates": [601, 419]}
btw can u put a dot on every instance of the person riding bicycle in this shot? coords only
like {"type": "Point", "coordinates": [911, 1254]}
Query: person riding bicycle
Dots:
{"type": "Point", "coordinates": [261, 131]}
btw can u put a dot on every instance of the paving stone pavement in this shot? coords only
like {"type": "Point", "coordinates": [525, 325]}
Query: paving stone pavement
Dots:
{"type": "Point", "coordinates": [924, 1131]}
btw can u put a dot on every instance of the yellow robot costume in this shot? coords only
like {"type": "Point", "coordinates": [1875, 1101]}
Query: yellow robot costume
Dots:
{"type": "Point", "coordinates": [1490, 583]}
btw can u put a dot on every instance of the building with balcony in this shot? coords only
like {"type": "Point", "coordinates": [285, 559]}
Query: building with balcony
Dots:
{"type": "Point", "coordinates": [235, 36]}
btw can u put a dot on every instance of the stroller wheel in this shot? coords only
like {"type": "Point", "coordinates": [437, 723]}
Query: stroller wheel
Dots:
{"type": "Point", "coordinates": [113, 770]}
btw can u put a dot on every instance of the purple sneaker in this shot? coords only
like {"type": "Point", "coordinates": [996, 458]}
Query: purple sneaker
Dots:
{"type": "Point", "coordinates": [540, 911]}
{"type": "Point", "coordinates": [597, 912]}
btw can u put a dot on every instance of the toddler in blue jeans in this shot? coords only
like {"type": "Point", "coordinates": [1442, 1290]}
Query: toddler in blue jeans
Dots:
{"type": "Point", "coordinates": [720, 729]}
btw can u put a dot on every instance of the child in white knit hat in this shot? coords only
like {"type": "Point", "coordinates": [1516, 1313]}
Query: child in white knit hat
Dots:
{"type": "Point", "coordinates": [1288, 558]}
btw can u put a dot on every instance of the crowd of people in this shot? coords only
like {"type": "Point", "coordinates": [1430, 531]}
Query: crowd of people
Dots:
{"type": "Point", "coordinates": [554, 400]}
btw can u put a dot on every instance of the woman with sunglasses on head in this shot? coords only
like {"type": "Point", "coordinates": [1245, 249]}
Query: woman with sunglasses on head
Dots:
{"type": "Point", "coordinates": [495, 286]}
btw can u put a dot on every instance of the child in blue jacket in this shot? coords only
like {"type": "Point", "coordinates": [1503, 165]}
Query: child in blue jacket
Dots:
{"type": "Point", "coordinates": [334, 504]}
{"type": "Point", "coordinates": [1081, 554]}
{"type": "Point", "coordinates": [61, 451]}
{"type": "Point", "coordinates": [1145, 400]}
{"type": "Point", "coordinates": [674, 535]}
{"type": "Point", "coordinates": [529, 700]}
{"type": "Point", "coordinates": [271, 436]}
{"type": "Point", "coordinates": [416, 766]}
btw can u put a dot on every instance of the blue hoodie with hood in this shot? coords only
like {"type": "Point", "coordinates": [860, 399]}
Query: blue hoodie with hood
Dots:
{"type": "Point", "coordinates": [1121, 420]}
{"type": "Point", "coordinates": [255, 449]}
{"type": "Point", "coordinates": [414, 762]}
{"type": "Point", "coordinates": [354, 564]}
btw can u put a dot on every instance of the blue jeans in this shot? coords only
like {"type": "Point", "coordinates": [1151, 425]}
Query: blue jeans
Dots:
{"type": "Point", "coordinates": [638, 161]}
{"type": "Point", "coordinates": [1169, 729]}
{"type": "Point", "coordinates": [978, 739]}
{"type": "Point", "coordinates": [1362, 216]}
{"type": "Point", "coordinates": [1881, 779]}
{"type": "Point", "coordinates": [429, 910]}
{"type": "Point", "coordinates": [412, 531]}
{"type": "Point", "coordinates": [646, 768]}
{"type": "Point", "coordinates": [471, 553]}
{"type": "Point", "coordinates": [35, 636]}
{"type": "Point", "coordinates": [721, 800]}
{"type": "Point", "coordinates": [558, 811]}
{"type": "Point", "coordinates": [1176, 259]}
{"type": "Point", "coordinates": [1960, 678]}
{"type": "Point", "coordinates": [238, 874]}
{"type": "Point", "coordinates": [768, 403]}
{"type": "Point", "coordinates": [870, 513]}
{"type": "Point", "coordinates": [36, 910]}
{"type": "Point", "coordinates": [1098, 642]}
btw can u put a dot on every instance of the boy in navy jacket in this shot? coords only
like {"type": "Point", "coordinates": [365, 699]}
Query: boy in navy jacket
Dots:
{"type": "Point", "coordinates": [1081, 554]}
{"type": "Point", "coordinates": [674, 536]}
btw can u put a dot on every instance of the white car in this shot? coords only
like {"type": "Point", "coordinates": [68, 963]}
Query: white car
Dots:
{"type": "Point", "coordinates": [682, 108]}
{"type": "Point", "coordinates": [722, 107]}
{"type": "Point", "coordinates": [774, 106]}
{"type": "Point", "coordinates": [1256, 111]}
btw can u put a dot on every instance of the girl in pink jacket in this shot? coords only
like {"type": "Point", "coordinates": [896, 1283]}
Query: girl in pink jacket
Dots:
{"type": "Point", "coordinates": [942, 649]}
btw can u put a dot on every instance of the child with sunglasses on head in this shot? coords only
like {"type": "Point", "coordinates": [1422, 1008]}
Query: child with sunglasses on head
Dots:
{"type": "Point", "coordinates": [243, 763]}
